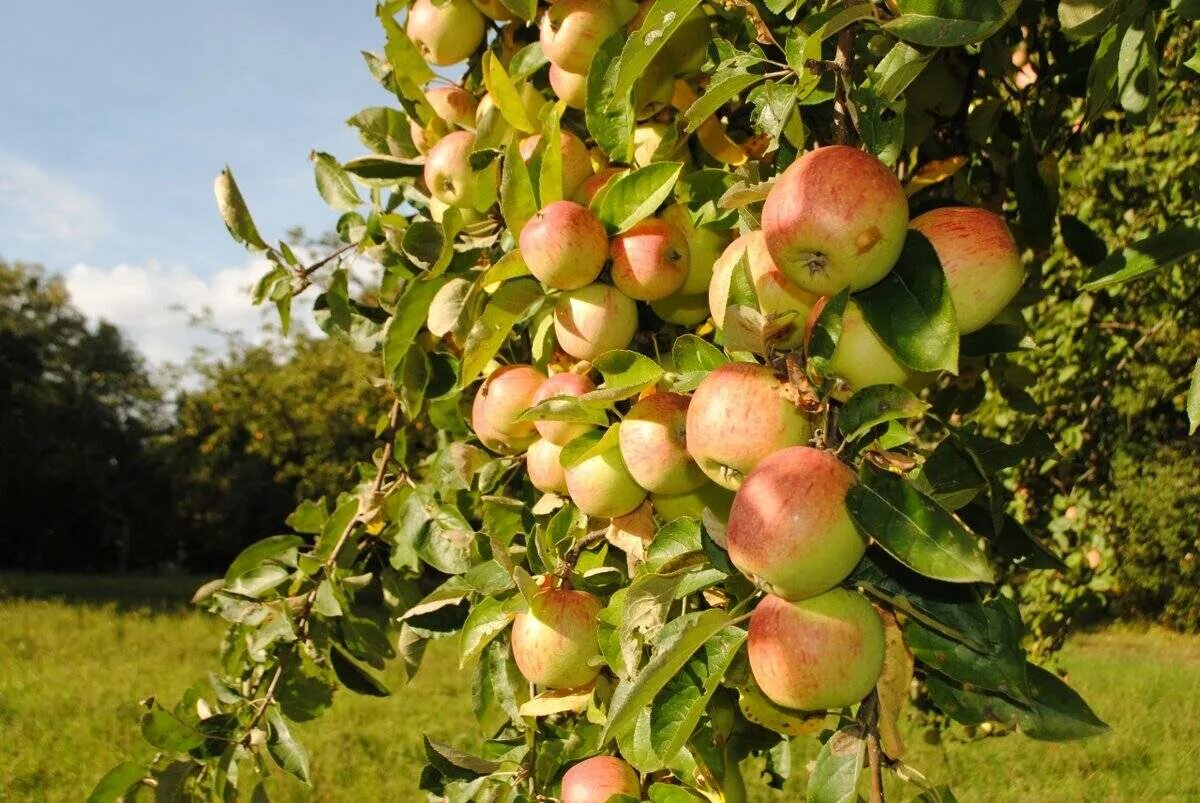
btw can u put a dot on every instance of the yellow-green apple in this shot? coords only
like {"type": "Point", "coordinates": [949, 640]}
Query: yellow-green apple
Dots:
{"type": "Point", "coordinates": [789, 529]}
{"type": "Point", "coordinates": [818, 654]}
{"type": "Point", "coordinates": [564, 245]}
{"type": "Point", "coordinates": [740, 414]}
{"type": "Point", "coordinates": [566, 383]}
{"type": "Point", "coordinates": [503, 396]}
{"type": "Point", "coordinates": [682, 310]}
{"type": "Point", "coordinates": [708, 496]}
{"type": "Point", "coordinates": [445, 33]}
{"type": "Point", "coordinates": [596, 779]}
{"type": "Point", "coordinates": [653, 444]}
{"type": "Point", "coordinates": [576, 162]}
{"type": "Point", "coordinates": [596, 182]}
{"type": "Point", "coordinates": [602, 486]}
{"type": "Point", "coordinates": [650, 260]}
{"type": "Point", "coordinates": [777, 294]}
{"type": "Point", "coordinates": [570, 87]}
{"type": "Point", "coordinates": [494, 9]}
{"type": "Point", "coordinates": [705, 247]}
{"type": "Point", "coordinates": [554, 643]}
{"type": "Point", "coordinates": [861, 359]}
{"type": "Point", "coordinates": [982, 265]}
{"type": "Point", "coordinates": [571, 32]}
{"type": "Point", "coordinates": [448, 173]}
{"type": "Point", "coordinates": [593, 320]}
{"type": "Point", "coordinates": [545, 472]}
{"type": "Point", "coordinates": [437, 211]}
{"type": "Point", "coordinates": [453, 106]}
{"type": "Point", "coordinates": [655, 141]}
{"type": "Point", "coordinates": [836, 218]}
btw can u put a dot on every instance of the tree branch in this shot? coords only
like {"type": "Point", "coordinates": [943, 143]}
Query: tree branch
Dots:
{"type": "Point", "coordinates": [843, 62]}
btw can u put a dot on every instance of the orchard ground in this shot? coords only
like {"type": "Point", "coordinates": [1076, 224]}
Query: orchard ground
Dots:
{"type": "Point", "coordinates": [77, 652]}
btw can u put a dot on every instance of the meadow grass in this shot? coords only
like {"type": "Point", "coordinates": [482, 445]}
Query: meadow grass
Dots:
{"type": "Point", "coordinates": [76, 655]}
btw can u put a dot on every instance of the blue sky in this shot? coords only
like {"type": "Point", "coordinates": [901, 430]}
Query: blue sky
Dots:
{"type": "Point", "coordinates": [117, 116]}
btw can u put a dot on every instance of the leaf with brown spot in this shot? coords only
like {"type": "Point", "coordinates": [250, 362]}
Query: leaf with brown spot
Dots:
{"type": "Point", "coordinates": [892, 688]}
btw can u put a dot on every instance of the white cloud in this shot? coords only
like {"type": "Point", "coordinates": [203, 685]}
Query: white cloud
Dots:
{"type": "Point", "coordinates": [44, 212]}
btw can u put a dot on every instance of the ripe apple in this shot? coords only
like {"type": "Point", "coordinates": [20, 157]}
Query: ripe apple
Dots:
{"type": "Point", "coordinates": [448, 173]}
{"type": "Point", "coordinates": [593, 320]}
{"type": "Point", "coordinates": [494, 9]}
{"type": "Point", "coordinates": [682, 310]}
{"type": "Point", "coordinates": [598, 181]}
{"type": "Point", "coordinates": [545, 472]}
{"type": "Point", "coordinates": [602, 486]}
{"type": "Point", "coordinates": [554, 643]}
{"type": "Point", "coordinates": [740, 414]}
{"type": "Point", "coordinates": [983, 267]}
{"type": "Point", "coordinates": [650, 260]}
{"type": "Point", "coordinates": [861, 359]}
{"type": "Point", "coordinates": [836, 218]}
{"type": "Point", "coordinates": [564, 384]}
{"type": "Point", "coordinates": [570, 87]}
{"type": "Point", "coordinates": [564, 245]}
{"type": "Point", "coordinates": [596, 779]}
{"type": "Point", "coordinates": [576, 162]}
{"type": "Point", "coordinates": [789, 529]}
{"type": "Point", "coordinates": [819, 654]}
{"type": "Point", "coordinates": [693, 503]}
{"type": "Point", "coordinates": [652, 438]}
{"type": "Point", "coordinates": [447, 33]}
{"type": "Point", "coordinates": [504, 395]}
{"type": "Point", "coordinates": [705, 246]}
{"type": "Point", "coordinates": [571, 32]}
{"type": "Point", "coordinates": [777, 294]}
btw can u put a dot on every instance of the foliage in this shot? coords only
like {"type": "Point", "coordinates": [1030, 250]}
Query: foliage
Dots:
{"type": "Point", "coordinates": [451, 540]}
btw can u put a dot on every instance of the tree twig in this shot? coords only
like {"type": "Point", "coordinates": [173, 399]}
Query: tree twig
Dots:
{"type": "Point", "coordinates": [874, 755]}
{"type": "Point", "coordinates": [843, 62]}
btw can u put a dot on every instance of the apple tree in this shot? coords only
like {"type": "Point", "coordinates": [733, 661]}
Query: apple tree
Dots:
{"type": "Point", "coordinates": [681, 310]}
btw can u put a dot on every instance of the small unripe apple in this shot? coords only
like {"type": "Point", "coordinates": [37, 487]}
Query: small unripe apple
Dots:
{"type": "Point", "coordinates": [596, 779]}
{"type": "Point", "coordinates": [564, 384]}
{"type": "Point", "coordinates": [818, 654]}
{"type": "Point", "coordinates": [650, 260]}
{"type": "Point", "coordinates": [777, 294]}
{"type": "Point", "coordinates": [861, 359]}
{"type": "Point", "coordinates": [576, 163]}
{"type": "Point", "coordinates": [545, 472]}
{"type": "Point", "coordinates": [571, 32]}
{"type": "Point", "coordinates": [740, 414]}
{"type": "Point", "coordinates": [554, 643]}
{"type": "Point", "coordinates": [503, 396]}
{"type": "Point", "coordinates": [653, 444]}
{"type": "Point", "coordinates": [789, 529]}
{"type": "Point", "coordinates": [705, 246]}
{"type": "Point", "coordinates": [494, 9]}
{"type": "Point", "coordinates": [593, 320]}
{"type": "Point", "coordinates": [448, 173]}
{"type": "Point", "coordinates": [445, 34]}
{"type": "Point", "coordinates": [836, 218]}
{"type": "Point", "coordinates": [682, 310]}
{"type": "Point", "coordinates": [982, 265]}
{"type": "Point", "coordinates": [564, 245]}
{"type": "Point", "coordinates": [588, 189]}
{"type": "Point", "coordinates": [570, 87]}
{"type": "Point", "coordinates": [602, 486]}
{"type": "Point", "coordinates": [708, 496]}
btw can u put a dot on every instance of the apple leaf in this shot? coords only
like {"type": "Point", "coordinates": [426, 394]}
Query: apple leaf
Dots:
{"type": "Point", "coordinates": [117, 782]}
{"type": "Point", "coordinates": [899, 68]}
{"type": "Point", "coordinates": [610, 117]}
{"type": "Point", "coordinates": [517, 201]}
{"type": "Point", "coordinates": [826, 332]}
{"type": "Point", "coordinates": [402, 327]}
{"type": "Point", "coordinates": [235, 213]}
{"type": "Point", "coordinates": [1083, 19]}
{"type": "Point", "coordinates": [334, 184]}
{"type": "Point", "coordinates": [505, 94]}
{"type": "Point", "coordinates": [512, 301]}
{"type": "Point", "coordinates": [1193, 400]}
{"type": "Point", "coordinates": [565, 408]}
{"type": "Point", "coordinates": [550, 167]}
{"type": "Point", "coordinates": [487, 619]}
{"type": "Point", "coordinates": [1083, 243]}
{"type": "Point", "coordinates": [626, 373]}
{"type": "Point", "coordinates": [402, 55]}
{"type": "Point", "coordinates": [659, 24]}
{"type": "Point", "coordinates": [289, 754]}
{"type": "Point", "coordinates": [635, 196]}
{"type": "Point", "coordinates": [694, 358]}
{"type": "Point", "coordinates": [835, 774]}
{"type": "Point", "coordinates": [1155, 252]}
{"type": "Point", "coordinates": [725, 85]}
{"type": "Point", "coordinates": [945, 23]}
{"type": "Point", "coordinates": [876, 404]}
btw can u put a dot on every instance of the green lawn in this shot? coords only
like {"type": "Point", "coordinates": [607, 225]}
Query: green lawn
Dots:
{"type": "Point", "coordinates": [77, 654]}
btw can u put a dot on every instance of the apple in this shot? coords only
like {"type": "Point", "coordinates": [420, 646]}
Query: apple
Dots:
{"type": "Point", "coordinates": [453, 106]}
{"type": "Point", "coordinates": [602, 486]}
{"type": "Point", "coordinates": [571, 32]}
{"type": "Point", "coordinates": [446, 33]}
{"type": "Point", "coordinates": [596, 182]}
{"type": "Point", "coordinates": [693, 503]}
{"type": "Point", "coordinates": [570, 87]}
{"type": "Point", "coordinates": [437, 211]}
{"type": "Point", "coordinates": [938, 90]}
{"type": "Point", "coordinates": [494, 9]}
{"type": "Point", "coordinates": [576, 162]}
{"type": "Point", "coordinates": [740, 414]}
{"type": "Point", "coordinates": [789, 529]}
{"type": "Point", "coordinates": [596, 779]}
{"type": "Point", "coordinates": [448, 173]}
{"type": "Point", "coordinates": [861, 359]}
{"type": "Point", "coordinates": [705, 247]}
{"type": "Point", "coordinates": [554, 643]}
{"type": "Point", "coordinates": [777, 294]}
{"type": "Point", "coordinates": [650, 260]}
{"type": "Point", "coordinates": [564, 384]}
{"type": "Point", "coordinates": [652, 438]}
{"type": "Point", "coordinates": [503, 396]}
{"type": "Point", "coordinates": [593, 320]}
{"type": "Point", "coordinates": [655, 142]}
{"type": "Point", "coordinates": [836, 218]}
{"type": "Point", "coordinates": [545, 472]}
{"type": "Point", "coordinates": [819, 654]}
{"type": "Point", "coordinates": [982, 264]}
{"type": "Point", "coordinates": [564, 245]}
{"type": "Point", "coordinates": [682, 310]}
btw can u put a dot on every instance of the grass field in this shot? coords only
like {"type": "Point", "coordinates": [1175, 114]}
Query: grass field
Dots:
{"type": "Point", "coordinates": [76, 654]}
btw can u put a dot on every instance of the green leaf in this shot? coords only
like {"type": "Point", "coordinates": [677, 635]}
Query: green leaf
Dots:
{"type": "Point", "coordinates": [1137, 70]}
{"type": "Point", "coordinates": [382, 169]}
{"type": "Point", "coordinates": [826, 332]}
{"type": "Point", "coordinates": [117, 782]}
{"type": "Point", "coordinates": [1083, 19]}
{"type": "Point", "coordinates": [911, 311]}
{"type": "Point", "coordinates": [694, 358]}
{"type": "Point", "coordinates": [517, 201]}
{"type": "Point", "coordinates": [487, 620]}
{"type": "Point", "coordinates": [289, 754]}
{"type": "Point", "coordinates": [1087, 246]}
{"type": "Point", "coordinates": [879, 121]}
{"type": "Point", "coordinates": [876, 404]}
{"type": "Point", "coordinates": [385, 131]}
{"type": "Point", "coordinates": [445, 543]}
{"type": "Point", "coordinates": [626, 373]}
{"type": "Point", "coordinates": [505, 94]}
{"type": "Point", "coordinates": [635, 196]}
{"type": "Point", "coordinates": [915, 529]}
{"type": "Point", "coordinates": [401, 53]}
{"type": "Point", "coordinates": [1193, 400]}
{"type": "Point", "coordinates": [279, 547]}
{"type": "Point", "coordinates": [164, 730]}
{"type": "Point", "coordinates": [1102, 75]}
{"type": "Point", "coordinates": [610, 117]}
{"type": "Point", "coordinates": [899, 68]}
{"type": "Point", "coordinates": [1059, 713]}
{"type": "Point", "coordinates": [423, 242]}
{"type": "Point", "coordinates": [835, 775]}
{"type": "Point", "coordinates": [512, 301]}
{"type": "Point", "coordinates": [725, 85]}
{"type": "Point", "coordinates": [1155, 252]}
{"type": "Point", "coordinates": [632, 695]}
{"type": "Point", "coordinates": [550, 168]}
{"type": "Point", "coordinates": [234, 212]}
{"type": "Point", "coordinates": [659, 24]}
{"type": "Point", "coordinates": [353, 675]}
{"type": "Point", "coordinates": [401, 329]}
{"type": "Point", "coordinates": [945, 23]}
{"type": "Point", "coordinates": [565, 408]}
{"type": "Point", "coordinates": [497, 688]}
{"type": "Point", "coordinates": [334, 184]}
{"type": "Point", "coordinates": [454, 763]}
{"type": "Point", "coordinates": [526, 61]}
